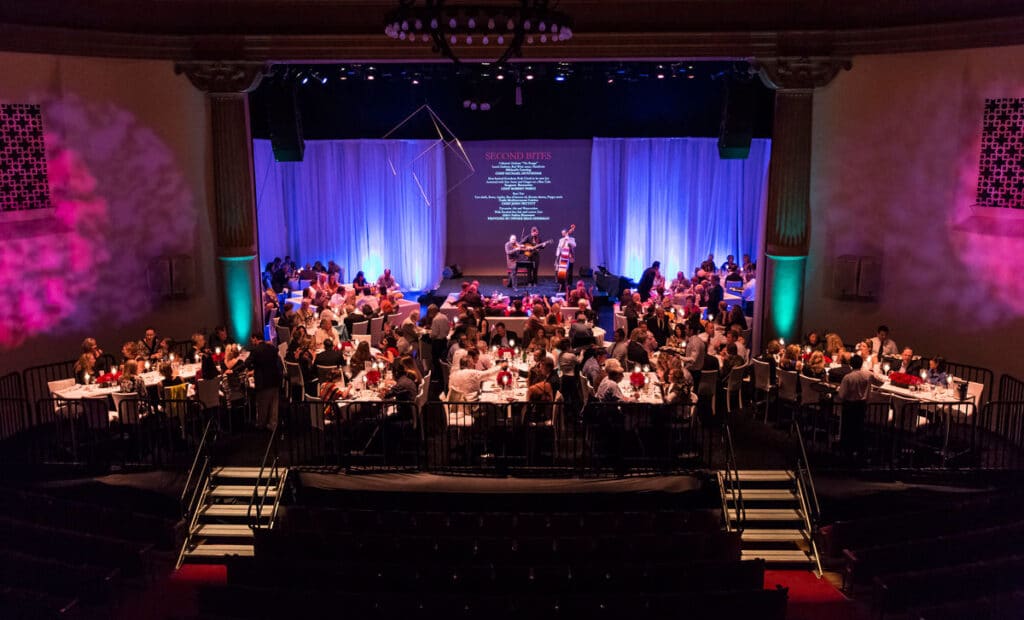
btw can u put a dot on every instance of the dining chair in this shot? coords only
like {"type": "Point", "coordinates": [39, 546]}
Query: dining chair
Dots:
{"type": "Point", "coordinates": [734, 385]}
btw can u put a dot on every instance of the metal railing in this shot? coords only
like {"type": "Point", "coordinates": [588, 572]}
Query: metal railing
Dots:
{"type": "Point", "coordinates": [481, 437]}
{"type": "Point", "coordinates": [257, 501]}
{"type": "Point", "coordinates": [197, 486]}
{"type": "Point", "coordinates": [1011, 389]}
{"type": "Point", "coordinates": [808, 495]}
{"type": "Point", "coordinates": [198, 471]}
{"type": "Point", "coordinates": [730, 479]}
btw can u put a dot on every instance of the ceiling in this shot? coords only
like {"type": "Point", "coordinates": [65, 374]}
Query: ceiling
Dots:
{"type": "Point", "coordinates": [616, 29]}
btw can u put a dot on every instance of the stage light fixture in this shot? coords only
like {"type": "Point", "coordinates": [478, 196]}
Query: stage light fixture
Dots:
{"type": "Point", "coordinates": [447, 26]}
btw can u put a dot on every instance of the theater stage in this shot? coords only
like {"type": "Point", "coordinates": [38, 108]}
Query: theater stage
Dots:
{"type": "Point", "coordinates": [406, 490]}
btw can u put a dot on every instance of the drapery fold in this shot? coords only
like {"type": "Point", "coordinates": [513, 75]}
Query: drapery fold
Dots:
{"type": "Point", "coordinates": [366, 204]}
{"type": "Point", "coordinates": [673, 200]}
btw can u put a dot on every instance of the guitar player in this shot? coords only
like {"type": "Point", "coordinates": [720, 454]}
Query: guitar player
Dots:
{"type": "Point", "coordinates": [533, 240]}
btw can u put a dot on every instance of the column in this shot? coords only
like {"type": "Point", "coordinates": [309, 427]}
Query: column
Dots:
{"type": "Point", "coordinates": [788, 219]}
{"type": "Point", "coordinates": [227, 86]}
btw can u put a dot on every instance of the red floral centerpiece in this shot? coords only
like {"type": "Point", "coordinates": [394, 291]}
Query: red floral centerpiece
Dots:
{"type": "Point", "coordinates": [903, 380]}
{"type": "Point", "coordinates": [217, 358]}
{"type": "Point", "coordinates": [504, 378]}
{"type": "Point", "coordinates": [637, 379]}
{"type": "Point", "coordinates": [373, 377]}
{"type": "Point", "coordinates": [108, 378]}
{"type": "Point", "coordinates": [506, 351]}
{"type": "Point", "coordinates": [346, 344]}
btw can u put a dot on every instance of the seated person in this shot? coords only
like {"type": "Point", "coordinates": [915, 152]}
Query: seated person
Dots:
{"type": "Point", "coordinates": [815, 366]}
{"type": "Point", "coordinates": [466, 382]}
{"type": "Point", "coordinates": [360, 284]}
{"type": "Point", "coordinates": [170, 375]}
{"type": "Point", "coordinates": [907, 363]}
{"type": "Point", "coordinates": [330, 356]}
{"type": "Point", "coordinates": [609, 391]}
{"type": "Point", "coordinates": [937, 371]}
{"type": "Point", "coordinates": [219, 338]}
{"type": "Point", "coordinates": [386, 283]}
{"type": "Point", "coordinates": [679, 388]}
{"type": "Point", "coordinates": [334, 389]}
{"type": "Point", "coordinates": [578, 293]}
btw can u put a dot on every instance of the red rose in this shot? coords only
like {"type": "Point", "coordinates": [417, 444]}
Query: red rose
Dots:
{"type": "Point", "coordinates": [373, 377]}
{"type": "Point", "coordinates": [903, 378]}
{"type": "Point", "coordinates": [504, 378]}
{"type": "Point", "coordinates": [637, 379]}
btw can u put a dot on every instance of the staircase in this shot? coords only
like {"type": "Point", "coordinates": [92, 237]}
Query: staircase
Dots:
{"type": "Point", "coordinates": [220, 521]}
{"type": "Point", "coordinates": [776, 527]}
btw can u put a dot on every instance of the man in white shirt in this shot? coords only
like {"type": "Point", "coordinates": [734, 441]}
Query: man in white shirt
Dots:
{"type": "Point", "coordinates": [387, 282]}
{"type": "Point", "coordinates": [465, 382]}
{"type": "Point", "coordinates": [693, 354]}
{"type": "Point", "coordinates": [439, 328]}
{"type": "Point", "coordinates": [882, 344]}
{"type": "Point", "coordinates": [608, 390]}
{"type": "Point", "coordinates": [853, 391]}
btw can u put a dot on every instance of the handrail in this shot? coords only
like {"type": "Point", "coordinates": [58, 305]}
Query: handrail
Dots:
{"type": "Point", "coordinates": [198, 498]}
{"type": "Point", "coordinates": [801, 491]}
{"type": "Point", "coordinates": [255, 500]}
{"type": "Point", "coordinates": [733, 474]}
{"type": "Point", "coordinates": [201, 451]}
{"type": "Point", "coordinates": [807, 467]}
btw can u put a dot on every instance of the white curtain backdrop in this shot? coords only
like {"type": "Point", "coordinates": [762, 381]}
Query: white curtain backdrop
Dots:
{"type": "Point", "coordinates": [366, 204]}
{"type": "Point", "coordinates": [673, 200]}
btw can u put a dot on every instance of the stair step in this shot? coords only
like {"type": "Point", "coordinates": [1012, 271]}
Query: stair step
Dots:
{"type": "Point", "coordinates": [759, 535]}
{"type": "Point", "coordinates": [218, 551]}
{"type": "Point", "coordinates": [222, 530]}
{"type": "Point", "coordinates": [780, 556]}
{"type": "Point", "coordinates": [233, 490]}
{"type": "Point", "coordinates": [773, 514]}
{"type": "Point", "coordinates": [766, 495]}
{"type": "Point", "coordinates": [229, 510]}
{"type": "Point", "coordinates": [765, 475]}
{"type": "Point", "coordinates": [239, 472]}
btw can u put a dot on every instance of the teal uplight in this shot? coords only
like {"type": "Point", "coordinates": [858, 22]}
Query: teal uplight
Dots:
{"type": "Point", "coordinates": [784, 296]}
{"type": "Point", "coordinates": [238, 289]}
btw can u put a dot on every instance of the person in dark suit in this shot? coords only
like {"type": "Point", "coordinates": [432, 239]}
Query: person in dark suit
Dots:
{"type": "Point", "coordinates": [329, 356]}
{"type": "Point", "coordinates": [715, 295]}
{"type": "Point", "coordinates": [659, 326]}
{"type": "Point", "coordinates": [907, 363]}
{"type": "Point", "coordinates": [500, 336]}
{"type": "Point", "coordinates": [268, 374]}
{"type": "Point", "coordinates": [647, 281]}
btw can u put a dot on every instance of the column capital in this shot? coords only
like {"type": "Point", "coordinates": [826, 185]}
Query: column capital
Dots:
{"type": "Point", "coordinates": [799, 72]}
{"type": "Point", "coordinates": [218, 77]}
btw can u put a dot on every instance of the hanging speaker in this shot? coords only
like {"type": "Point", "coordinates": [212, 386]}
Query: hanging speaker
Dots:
{"type": "Point", "coordinates": [737, 127]}
{"type": "Point", "coordinates": [285, 123]}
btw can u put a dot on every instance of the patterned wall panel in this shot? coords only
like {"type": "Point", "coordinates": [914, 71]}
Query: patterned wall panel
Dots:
{"type": "Point", "coordinates": [24, 185]}
{"type": "Point", "coordinates": [1001, 170]}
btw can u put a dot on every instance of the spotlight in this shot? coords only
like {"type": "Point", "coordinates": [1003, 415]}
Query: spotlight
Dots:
{"type": "Point", "coordinates": [415, 82]}
{"type": "Point", "coordinates": [529, 76]}
{"type": "Point", "coordinates": [500, 76]}
{"type": "Point", "coordinates": [485, 107]}
{"type": "Point", "coordinates": [466, 103]}
{"type": "Point", "coordinates": [661, 76]}
{"type": "Point", "coordinates": [323, 79]}
{"type": "Point", "coordinates": [559, 78]}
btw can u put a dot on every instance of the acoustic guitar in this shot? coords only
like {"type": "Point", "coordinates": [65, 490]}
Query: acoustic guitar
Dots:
{"type": "Point", "coordinates": [529, 248]}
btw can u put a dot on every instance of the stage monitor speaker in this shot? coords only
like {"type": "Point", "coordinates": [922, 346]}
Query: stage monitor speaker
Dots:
{"type": "Point", "coordinates": [285, 123]}
{"type": "Point", "coordinates": [737, 127]}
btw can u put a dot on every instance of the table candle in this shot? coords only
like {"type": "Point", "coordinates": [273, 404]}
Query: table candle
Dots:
{"type": "Point", "coordinates": [85, 378]}
{"type": "Point", "coordinates": [217, 350]}
{"type": "Point", "coordinates": [146, 364]}
{"type": "Point", "coordinates": [171, 357]}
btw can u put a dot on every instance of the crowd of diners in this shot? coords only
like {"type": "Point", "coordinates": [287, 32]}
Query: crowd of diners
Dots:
{"type": "Point", "coordinates": [676, 341]}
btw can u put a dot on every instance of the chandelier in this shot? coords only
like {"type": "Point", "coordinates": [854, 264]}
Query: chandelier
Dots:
{"type": "Point", "coordinates": [504, 28]}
